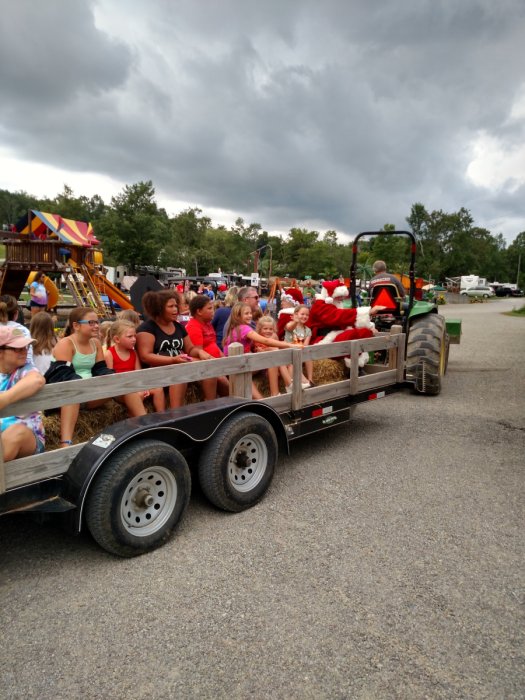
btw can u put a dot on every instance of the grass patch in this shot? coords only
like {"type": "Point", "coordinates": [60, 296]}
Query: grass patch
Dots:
{"type": "Point", "coordinates": [516, 312]}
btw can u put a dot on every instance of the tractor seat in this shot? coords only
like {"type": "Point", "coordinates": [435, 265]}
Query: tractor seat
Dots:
{"type": "Point", "coordinates": [387, 295]}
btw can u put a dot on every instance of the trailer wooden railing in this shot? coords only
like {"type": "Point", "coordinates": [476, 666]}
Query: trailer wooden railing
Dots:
{"type": "Point", "coordinates": [237, 366]}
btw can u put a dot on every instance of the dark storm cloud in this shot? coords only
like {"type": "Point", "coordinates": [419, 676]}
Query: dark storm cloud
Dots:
{"type": "Point", "coordinates": [336, 114]}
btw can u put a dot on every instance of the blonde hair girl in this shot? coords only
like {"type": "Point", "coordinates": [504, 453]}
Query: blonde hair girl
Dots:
{"type": "Point", "coordinates": [238, 330]}
{"type": "Point", "coordinates": [42, 329]}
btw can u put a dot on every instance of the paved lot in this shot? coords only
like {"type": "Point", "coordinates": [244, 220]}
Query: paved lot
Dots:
{"type": "Point", "coordinates": [386, 561]}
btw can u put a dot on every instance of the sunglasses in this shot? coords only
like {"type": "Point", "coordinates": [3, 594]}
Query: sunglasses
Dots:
{"type": "Point", "coordinates": [90, 323]}
{"type": "Point", "coordinates": [18, 350]}
{"type": "Point", "coordinates": [255, 296]}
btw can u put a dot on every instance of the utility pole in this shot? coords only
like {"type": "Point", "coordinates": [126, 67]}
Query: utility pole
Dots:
{"type": "Point", "coordinates": [518, 275]}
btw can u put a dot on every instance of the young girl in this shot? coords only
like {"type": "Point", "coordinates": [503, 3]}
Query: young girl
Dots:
{"type": "Point", "coordinates": [121, 357]}
{"type": "Point", "coordinates": [38, 294]}
{"type": "Point", "coordinates": [267, 328]}
{"type": "Point", "coordinates": [298, 333]}
{"type": "Point", "coordinates": [238, 330]}
{"type": "Point", "coordinates": [103, 334]}
{"type": "Point", "coordinates": [129, 315]}
{"type": "Point", "coordinates": [184, 308]}
{"type": "Point", "coordinates": [81, 347]}
{"type": "Point", "coordinates": [42, 329]}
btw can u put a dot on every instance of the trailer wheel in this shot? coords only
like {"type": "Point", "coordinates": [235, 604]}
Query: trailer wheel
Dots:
{"type": "Point", "coordinates": [427, 354]}
{"type": "Point", "coordinates": [138, 497]}
{"type": "Point", "coordinates": [236, 466]}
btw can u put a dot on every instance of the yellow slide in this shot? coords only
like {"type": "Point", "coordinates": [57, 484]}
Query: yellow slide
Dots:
{"type": "Point", "coordinates": [104, 286]}
{"type": "Point", "coordinates": [52, 291]}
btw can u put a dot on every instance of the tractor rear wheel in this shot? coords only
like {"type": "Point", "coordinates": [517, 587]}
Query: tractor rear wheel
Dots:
{"type": "Point", "coordinates": [427, 353]}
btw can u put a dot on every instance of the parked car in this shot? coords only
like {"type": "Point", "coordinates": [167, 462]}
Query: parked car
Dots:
{"type": "Point", "coordinates": [516, 292]}
{"type": "Point", "coordinates": [484, 292]}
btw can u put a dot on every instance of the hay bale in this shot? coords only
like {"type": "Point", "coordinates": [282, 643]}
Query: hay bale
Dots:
{"type": "Point", "coordinates": [325, 372]}
{"type": "Point", "coordinates": [329, 371]}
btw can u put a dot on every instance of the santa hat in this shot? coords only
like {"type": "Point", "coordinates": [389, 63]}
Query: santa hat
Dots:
{"type": "Point", "coordinates": [295, 293]}
{"type": "Point", "coordinates": [332, 290]}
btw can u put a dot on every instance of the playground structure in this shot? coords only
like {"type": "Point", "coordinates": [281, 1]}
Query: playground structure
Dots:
{"type": "Point", "coordinates": [68, 248]}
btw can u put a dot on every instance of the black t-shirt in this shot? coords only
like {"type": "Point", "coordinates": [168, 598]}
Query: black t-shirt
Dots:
{"type": "Point", "coordinates": [169, 345]}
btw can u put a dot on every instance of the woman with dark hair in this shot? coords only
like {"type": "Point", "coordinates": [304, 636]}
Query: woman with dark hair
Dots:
{"type": "Point", "coordinates": [162, 341]}
{"type": "Point", "coordinates": [38, 293]}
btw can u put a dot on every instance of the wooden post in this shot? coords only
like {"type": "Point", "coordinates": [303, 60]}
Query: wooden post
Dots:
{"type": "Point", "coordinates": [297, 374]}
{"type": "Point", "coordinates": [392, 353]}
{"type": "Point", "coordinates": [240, 384]}
{"type": "Point", "coordinates": [354, 367]}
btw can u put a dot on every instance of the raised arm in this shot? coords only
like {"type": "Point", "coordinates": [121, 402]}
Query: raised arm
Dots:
{"type": "Point", "coordinates": [32, 382]}
{"type": "Point", "coordinates": [256, 338]}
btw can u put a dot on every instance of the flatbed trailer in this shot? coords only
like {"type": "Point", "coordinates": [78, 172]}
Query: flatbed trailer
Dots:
{"type": "Point", "coordinates": [130, 483]}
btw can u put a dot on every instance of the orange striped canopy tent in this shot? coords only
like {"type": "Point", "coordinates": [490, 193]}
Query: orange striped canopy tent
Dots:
{"type": "Point", "coordinates": [44, 226]}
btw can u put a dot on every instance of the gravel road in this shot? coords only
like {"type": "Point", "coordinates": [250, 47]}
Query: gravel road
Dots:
{"type": "Point", "coordinates": [386, 561]}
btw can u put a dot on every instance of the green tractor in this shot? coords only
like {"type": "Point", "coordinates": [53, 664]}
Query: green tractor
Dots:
{"type": "Point", "coordinates": [428, 334]}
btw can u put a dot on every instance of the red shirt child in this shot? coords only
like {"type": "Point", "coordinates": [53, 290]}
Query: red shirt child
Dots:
{"type": "Point", "coordinates": [199, 327]}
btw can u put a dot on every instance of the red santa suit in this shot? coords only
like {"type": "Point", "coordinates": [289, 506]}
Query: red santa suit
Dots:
{"type": "Point", "coordinates": [329, 323]}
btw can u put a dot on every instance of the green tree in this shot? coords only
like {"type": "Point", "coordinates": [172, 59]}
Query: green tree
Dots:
{"type": "Point", "coordinates": [515, 261]}
{"type": "Point", "coordinates": [14, 205]}
{"type": "Point", "coordinates": [134, 231]}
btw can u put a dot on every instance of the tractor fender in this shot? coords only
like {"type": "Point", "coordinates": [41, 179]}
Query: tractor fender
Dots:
{"type": "Point", "coordinates": [182, 427]}
{"type": "Point", "coordinates": [422, 308]}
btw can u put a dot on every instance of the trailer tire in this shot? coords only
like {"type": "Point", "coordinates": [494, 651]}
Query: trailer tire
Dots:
{"type": "Point", "coordinates": [138, 497]}
{"type": "Point", "coordinates": [427, 354]}
{"type": "Point", "coordinates": [237, 464]}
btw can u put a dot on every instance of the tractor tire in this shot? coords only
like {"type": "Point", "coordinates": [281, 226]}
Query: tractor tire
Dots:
{"type": "Point", "coordinates": [236, 465]}
{"type": "Point", "coordinates": [138, 497]}
{"type": "Point", "coordinates": [427, 354]}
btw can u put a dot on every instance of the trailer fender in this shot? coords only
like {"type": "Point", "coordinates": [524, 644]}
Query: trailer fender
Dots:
{"type": "Point", "coordinates": [190, 425]}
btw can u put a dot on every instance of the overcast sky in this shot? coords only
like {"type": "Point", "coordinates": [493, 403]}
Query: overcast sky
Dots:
{"type": "Point", "coordinates": [337, 114]}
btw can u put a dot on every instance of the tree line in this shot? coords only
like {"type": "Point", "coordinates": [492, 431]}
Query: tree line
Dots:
{"type": "Point", "coordinates": [135, 231]}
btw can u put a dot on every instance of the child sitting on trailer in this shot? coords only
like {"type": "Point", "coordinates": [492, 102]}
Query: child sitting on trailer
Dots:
{"type": "Point", "coordinates": [238, 330]}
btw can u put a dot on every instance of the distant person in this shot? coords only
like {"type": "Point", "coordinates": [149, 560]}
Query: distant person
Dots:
{"type": "Point", "coordinates": [250, 296]}
{"type": "Point", "coordinates": [42, 330]}
{"type": "Point", "coordinates": [9, 315]}
{"type": "Point", "coordinates": [381, 276]}
{"type": "Point", "coordinates": [38, 294]}
{"type": "Point", "coordinates": [222, 314]}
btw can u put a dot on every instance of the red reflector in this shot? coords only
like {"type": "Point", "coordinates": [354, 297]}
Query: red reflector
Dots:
{"type": "Point", "coordinates": [371, 397]}
{"type": "Point", "coordinates": [384, 298]}
{"type": "Point", "coordinates": [322, 411]}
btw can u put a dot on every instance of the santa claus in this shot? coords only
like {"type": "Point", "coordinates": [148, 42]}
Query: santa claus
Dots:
{"type": "Point", "coordinates": [330, 322]}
